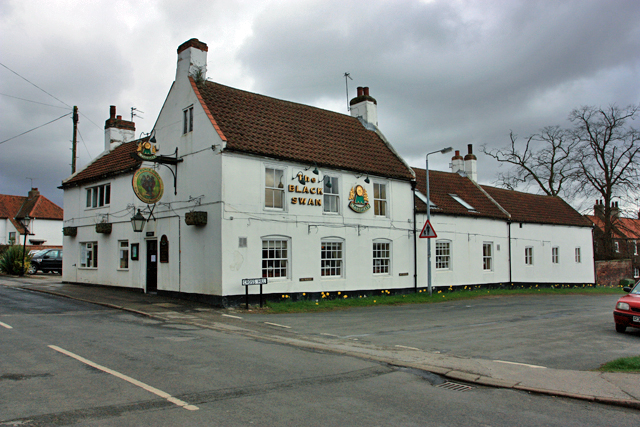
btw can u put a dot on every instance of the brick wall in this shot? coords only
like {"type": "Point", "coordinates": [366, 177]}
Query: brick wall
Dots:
{"type": "Point", "coordinates": [609, 273]}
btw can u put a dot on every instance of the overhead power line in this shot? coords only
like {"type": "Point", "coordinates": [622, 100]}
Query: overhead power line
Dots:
{"type": "Point", "coordinates": [23, 78]}
{"type": "Point", "coordinates": [37, 127]}
{"type": "Point", "coordinates": [35, 102]}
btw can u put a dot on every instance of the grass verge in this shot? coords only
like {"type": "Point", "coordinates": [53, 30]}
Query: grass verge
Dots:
{"type": "Point", "coordinates": [626, 364]}
{"type": "Point", "coordinates": [328, 301]}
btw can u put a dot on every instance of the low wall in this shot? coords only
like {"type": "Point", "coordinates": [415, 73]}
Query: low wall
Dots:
{"type": "Point", "coordinates": [609, 273]}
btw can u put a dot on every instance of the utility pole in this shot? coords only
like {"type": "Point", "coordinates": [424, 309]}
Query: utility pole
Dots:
{"type": "Point", "coordinates": [75, 139]}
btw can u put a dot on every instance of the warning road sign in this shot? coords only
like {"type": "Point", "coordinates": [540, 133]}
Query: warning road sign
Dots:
{"type": "Point", "coordinates": [427, 231]}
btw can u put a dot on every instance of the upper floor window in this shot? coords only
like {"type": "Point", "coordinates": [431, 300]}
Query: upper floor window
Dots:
{"type": "Point", "coordinates": [331, 259]}
{"type": "Point", "coordinates": [187, 120]}
{"type": "Point", "coordinates": [331, 195]}
{"type": "Point", "coordinates": [635, 247]}
{"type": "Point", "coordinates": [528, 255]}
{"type": "Point", "coordinates": [578, 255]}
{"type": "Point", "coordinates": [12, 237]}
{"type": "Point", "coordinates": [487, 256]}
{"type": "Point", "coordinates": [380, 199]}
{"type": "Point", "coordinates": [381, 257]}
{"type": "Point", "coordinates": [273, 188]}
{"type": "Point", "coordinates": [616, 246]}
{"type": "Point", "coordinates": [443, 255]}
{"type": "Point", "coordinates": [555, 255]}
{"type": "Point", "coordinates": [99, 196]}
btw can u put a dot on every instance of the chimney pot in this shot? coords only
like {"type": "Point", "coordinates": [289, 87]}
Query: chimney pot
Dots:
{"type": "Point", "coordinates": [360, 90]}
{"type": "Point", "coordinates": [470, 147]}
{"type": "Point", "coordinates": [119, 117]}
{"type": "Point", "coordinates": [366, 91]}
{"type": "Point", "coordinates": [112, 112]}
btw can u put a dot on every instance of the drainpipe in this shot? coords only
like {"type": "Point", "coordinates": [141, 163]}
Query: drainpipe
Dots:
{"type": "Point", "coordinates": [509, 235]}
{"type": "Point", "coordinates": [415, 240]}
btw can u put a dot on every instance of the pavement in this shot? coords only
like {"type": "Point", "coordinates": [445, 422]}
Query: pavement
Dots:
{"type": "Point", "coordinates": [620, 389]}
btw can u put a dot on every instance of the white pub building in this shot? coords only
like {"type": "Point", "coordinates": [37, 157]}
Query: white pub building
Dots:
{"type": "Point", "coordinates": [233, 185]}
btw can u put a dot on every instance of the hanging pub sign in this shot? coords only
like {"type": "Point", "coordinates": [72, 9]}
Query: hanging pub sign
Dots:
{"type": "Point", "coordinates": [359, 201]}
{"type": "Point", "coordinates": [146, 150]}
{"type": "Point", "coordinates": [147, 185]}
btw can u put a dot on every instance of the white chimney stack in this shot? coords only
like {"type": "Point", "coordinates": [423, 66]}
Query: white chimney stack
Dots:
{"type": "Point", "coordinates": [117, 131]}
{"type": "Point", "coordinates": [470, 167]}
{"type": "Point", "coordinates": [192, 56]}
{"type": "Point", "coordinates": [364, 107]}
{"type": "Point", "coordinates": [457, 163]}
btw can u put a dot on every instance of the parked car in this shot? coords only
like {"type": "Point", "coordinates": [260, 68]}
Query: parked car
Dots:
{"type": "Point", "coordinates": [46, 261]}
{"type": "Point", "coordinates": [627, 311]}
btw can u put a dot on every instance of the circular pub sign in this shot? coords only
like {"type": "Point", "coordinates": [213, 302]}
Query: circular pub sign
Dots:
{"type": "Point", "coordinates": [147, 185]}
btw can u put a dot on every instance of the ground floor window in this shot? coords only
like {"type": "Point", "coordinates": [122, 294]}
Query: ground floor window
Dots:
{"type": "Point", "coordinates": [381, 257]}
{"type": "Point", "coordinates": [487, 256]}
{"type": "Point", "coordinates": [636, 272]}
{"type": "Point", "coordinates": [578, 255]}
{"type": "Point", "coordinates": [275, 258]}
{"type": "Point", "coordinates": [528, 255]}
{"type": "Point", "coordinates": [89, 255]}
{"type": "Point", "coordinates": [331, 259]}
{"type": "Point", "coordinates": [555, 255]}
{"type": "Point", "coordinates": [124, 254]}
{"type": "Point", "coordinates": [443, 255]}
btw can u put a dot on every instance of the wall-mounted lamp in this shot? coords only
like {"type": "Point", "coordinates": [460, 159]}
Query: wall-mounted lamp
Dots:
{"type": "Point", "coordinates": [367, 180]}
{"type": "Point", "coordinates": [138, 222]}
{"type": "Point", "coordinates": [327, 183]}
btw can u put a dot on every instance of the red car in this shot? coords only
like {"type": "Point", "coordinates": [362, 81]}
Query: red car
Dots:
{"type": "Point", "coordinates": [627, 311]}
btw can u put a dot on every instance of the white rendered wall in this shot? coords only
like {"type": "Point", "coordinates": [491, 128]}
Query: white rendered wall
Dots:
{"type": "Point", "coordinates": [306, 226]}
{"type": "Point", "coordinates": [49, 230]}
{"type": "Point", "coordinates": [467, 236]}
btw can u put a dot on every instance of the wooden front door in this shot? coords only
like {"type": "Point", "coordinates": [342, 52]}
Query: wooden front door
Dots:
{"type": "Point", "coordinates": [152, 266]}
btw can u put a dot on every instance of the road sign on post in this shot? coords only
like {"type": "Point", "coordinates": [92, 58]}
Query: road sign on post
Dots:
{"type": "Point", "coordinates": [250, 282]}
{"type": "Point", "coordinates": [427, 231]}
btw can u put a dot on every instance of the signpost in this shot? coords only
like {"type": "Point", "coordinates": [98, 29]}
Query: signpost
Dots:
{"type": "Point", "coordinates": [250, 282]}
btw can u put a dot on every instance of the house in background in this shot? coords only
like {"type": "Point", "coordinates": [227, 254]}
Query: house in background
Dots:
{"type": "Point", "coordinates": [488, 235]}
{"type": "Point", "coordinates": [250, 186]}
{"type": "Point", "coordinates": [624, 262]}
{"type": "Point", "coordinates": [45, 229]}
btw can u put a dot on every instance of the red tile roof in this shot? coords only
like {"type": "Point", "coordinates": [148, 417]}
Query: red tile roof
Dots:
{"type": "Point", "coordinates": [116, 162]}
{"type": "Point", "coordinates": [624, 228]}
{"type": "Point", "coordinates": [443, 184]}
{"type": "Point", "coordinates": [519, 207]}
{"type": "Point", "coordinates": [38, 207]}
{"type": "Point", "coordinates": [534, 208]}
{"type": "Point", "coordinates": [257, 124]}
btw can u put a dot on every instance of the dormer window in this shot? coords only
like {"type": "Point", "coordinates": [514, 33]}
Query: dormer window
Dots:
{"type": "Point", "coordinates": [187, 121]}
{"type": "Point", "coordinates": [462, 202]}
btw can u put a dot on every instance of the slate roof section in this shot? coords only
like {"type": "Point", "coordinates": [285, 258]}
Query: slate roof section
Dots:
{"type": "Point", "coordinates": [115, 162]}
{"type": "Point", "coordinates": [535, 208]}
{"type": "Point", "coordinates": [38, 207]}
{"type": "Point", "coordinates": [261, 125]}
{"type": "Point", "coordinates": [443, 184]}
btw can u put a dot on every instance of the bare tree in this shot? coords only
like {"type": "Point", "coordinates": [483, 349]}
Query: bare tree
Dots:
{"type": "Point", "coordinates": [608, 157]}
{"type": "Point", "coordinates": [598, 157]}
{"type": "Point", "coordinates": [545, 161]}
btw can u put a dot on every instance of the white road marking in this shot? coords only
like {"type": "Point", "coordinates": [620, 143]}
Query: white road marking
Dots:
{"type": "Point", "coordinates": [328, 335]}
{"type": "Point", "coordinates": [4, 325]}
{"type": "Point", "coordinates": [140, 384]}
{"type": "Point", "coordinates": [275, 324]}
{"type": "Point", "coordinates": [410, 348]}
{"type": "Point", "coordinates": [234, 317]}
{"type": "Point", "coordinates": [521, 364]}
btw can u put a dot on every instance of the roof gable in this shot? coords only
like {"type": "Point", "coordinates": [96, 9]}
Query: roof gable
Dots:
{"type": "Point", "coordinates": [623, 228]}
{"type": "Point", "coordinates": [38, 207]}
{"type": "Point", "coordinates": [260, 125]}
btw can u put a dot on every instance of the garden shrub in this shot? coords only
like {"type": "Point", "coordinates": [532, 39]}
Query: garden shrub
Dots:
{"type": "Point", "coordinates": [11, 260]}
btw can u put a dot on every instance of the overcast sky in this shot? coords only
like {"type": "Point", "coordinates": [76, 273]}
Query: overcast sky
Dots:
{"type": "Point", "coordinates": [444, 72]}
